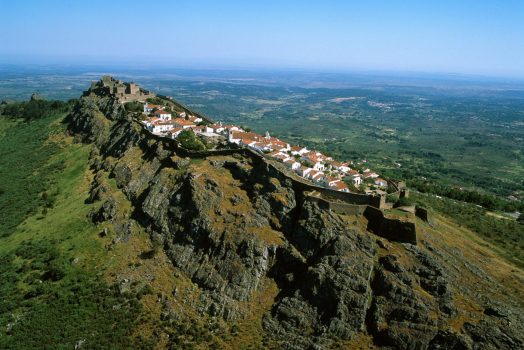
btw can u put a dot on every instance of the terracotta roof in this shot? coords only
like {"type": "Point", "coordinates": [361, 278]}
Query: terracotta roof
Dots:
{"type": "Point", "coordinates": [247, 141]}
{"type": "Point", "coordinates": [152, 106]}
{"type": "Point", "coordinates": [182, 121]}
{"type": "Point", "coordinates": [175, 130]}
{"type": "Point", "coordinates": [161, 112]}
{"type": "Point", "coordinates": [340, 186]}
{"type": "Point", "coordinates": [246, 135]}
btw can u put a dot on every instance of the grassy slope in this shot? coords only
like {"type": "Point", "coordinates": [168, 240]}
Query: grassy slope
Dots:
{"type": "Point", "coordinates": [505, 235]}
{"type": "Point", "coordinates": [52, 294]}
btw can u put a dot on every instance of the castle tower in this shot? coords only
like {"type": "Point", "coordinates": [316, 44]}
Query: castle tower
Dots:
{"type": "Point", "coordinates": [267, 135]}
{"type": "Point", "coordinates": [132, 89]}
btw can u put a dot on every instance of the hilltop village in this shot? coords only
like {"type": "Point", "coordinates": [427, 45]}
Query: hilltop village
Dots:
{"type": "Point", "coordinates": [309, 164]}
{"type": "Point", "coordinates": [160, 117]}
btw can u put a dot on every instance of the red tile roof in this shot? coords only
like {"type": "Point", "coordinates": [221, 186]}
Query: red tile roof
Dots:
{"type": "Point", "coordinates": [182, 121]}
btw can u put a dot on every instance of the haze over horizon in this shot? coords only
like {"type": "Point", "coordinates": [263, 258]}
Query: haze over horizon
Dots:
{"type": "Point", "coordinates": [470, 37]}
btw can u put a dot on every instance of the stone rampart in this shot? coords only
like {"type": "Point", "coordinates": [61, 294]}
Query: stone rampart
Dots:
{"type": "Point", "coordinates": [391, 229]}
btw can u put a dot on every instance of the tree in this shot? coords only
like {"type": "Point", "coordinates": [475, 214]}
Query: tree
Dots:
{"type": "Point", "coordinates": [188, 140]}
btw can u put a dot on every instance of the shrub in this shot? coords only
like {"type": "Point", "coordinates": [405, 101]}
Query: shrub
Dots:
{"type": "Point", "coordinates": [134, 106]}
{"type": "Point", "coordinates": [404, 202]}
{"type": "Point", "coordinates": [392, 198]}
{"type": "Point", "coordinates": [188, 140]}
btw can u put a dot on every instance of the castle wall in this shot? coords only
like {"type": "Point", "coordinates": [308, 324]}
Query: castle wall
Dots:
{"type": "Point", "coordinates": [391, 229]}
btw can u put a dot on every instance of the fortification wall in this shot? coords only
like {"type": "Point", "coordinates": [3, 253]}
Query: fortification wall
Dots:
{"type": "Point", "coordinates": [337, 207]}
{"type": "Point", "coordinates": [392, 229]}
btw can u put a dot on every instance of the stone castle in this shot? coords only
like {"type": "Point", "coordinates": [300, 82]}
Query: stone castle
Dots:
{"type": "Point", "coordinates": [125, 92]}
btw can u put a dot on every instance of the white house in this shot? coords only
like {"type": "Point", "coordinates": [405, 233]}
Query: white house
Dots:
{"type": "Point", "coordinates": [260, 146]}
{"type": "Point", "coordinates": [194, 119]}
{"type": "Point", "coordinates": [199, 129]}
{"type": "Point", "coordinates": [308, 173]}
{"type": "Point", "coordinates": [343, 167]}
{"type": "Point", "coordinates": [161, 127]}
{"type": "Point", "coordinates": [217, 128]}
{"type": "Point", "coordinates": [332, 182]}
{"type": "Point", "coordinates": [341, 186]}
{"type": "Point", "coordinates": [298, 151]}
{"type": "Point", "coordinates": [319, 177]}
{"type": "Point", "coordinates": [229, 128]}
{"type": "Point", "coordinates": [182, 123]}
{"type": "Point", "coordinates": [175, 132]}
{"type": "Point", "coordinates": [370, 175]}
{"type": "Point", "coordinates": [293, 164]}
{"type": "Point", "coordinates": [149, 122]}
{"type": "Point", "coordinates": [148, 108]}
{"type": "Point", "coordinates": [355, 177]}
{"type": "Point", "coordinates": [162, 115]}
{"type": "Point", "coordinates": [380, 182]}
{"type": "Point", "coordinates": [316, 158]}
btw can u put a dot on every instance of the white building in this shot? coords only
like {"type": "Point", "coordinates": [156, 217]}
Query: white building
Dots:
{"type": "Point", "coordinates": [162, 115]}
{"type": "Point", "coordinates": [182, 123]}
{"type": "Point", "coordinates": [381, 182]}
{"type": "Point", "coordinates": [148, 108]}
{"type": "Point", "coordinates": [355, 177]}
{"type": "Point", "coordinates": [194, 119]}
{"type": "Point", "coordinates": [161, 127]}
{"type": "Point", "coordinates": [293, 164]}
{"type": "Point", "coordinates": [298, 151]}
{"type": "Point", "coordinates": [175, 132]}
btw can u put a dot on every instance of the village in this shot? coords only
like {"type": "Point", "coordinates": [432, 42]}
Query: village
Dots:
{"type": "Point", "coordinates": [312, 165]}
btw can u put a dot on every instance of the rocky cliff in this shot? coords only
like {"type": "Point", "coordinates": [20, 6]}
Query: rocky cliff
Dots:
{"type": "Point", "coordinates": [255, 248]}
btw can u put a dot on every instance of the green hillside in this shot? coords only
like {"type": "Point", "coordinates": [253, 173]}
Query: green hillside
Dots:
{"type": "Point", "coordinates": [52, 292]}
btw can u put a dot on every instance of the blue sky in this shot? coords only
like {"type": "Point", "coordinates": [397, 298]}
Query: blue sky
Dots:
{"type": "Point", "coordinates": [451, 36]}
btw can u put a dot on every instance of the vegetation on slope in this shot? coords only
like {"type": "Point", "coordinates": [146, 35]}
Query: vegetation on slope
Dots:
{"type": "Point", "coordinates": [53, 294]}
{"type": "Point", "coordinates": [25, 174]}
{"type": "Point", "coordinates": [506, 234]}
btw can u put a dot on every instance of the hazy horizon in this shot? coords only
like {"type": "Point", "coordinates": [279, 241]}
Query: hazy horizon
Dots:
{"type": "Point", "coordinates": [480, 38]}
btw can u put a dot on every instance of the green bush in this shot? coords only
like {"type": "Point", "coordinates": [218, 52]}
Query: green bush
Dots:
{"type": "Point", "coordinates": [392, 198]}
{"type": "Point", "coordinates": [134, 106]}
{"type": "Point", "coordinates": [188, 140]}
{"type": "Point", "coordinates": [404, 202]}
{"type": "Point", "coordinates": [34, 109]}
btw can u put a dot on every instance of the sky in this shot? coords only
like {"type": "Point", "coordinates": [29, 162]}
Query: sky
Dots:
{"type": "Point", "coordinates": [482, 37]}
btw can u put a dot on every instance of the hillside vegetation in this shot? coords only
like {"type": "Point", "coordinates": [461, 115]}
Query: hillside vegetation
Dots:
{"type": "Point", "coordinates": [53, 294]}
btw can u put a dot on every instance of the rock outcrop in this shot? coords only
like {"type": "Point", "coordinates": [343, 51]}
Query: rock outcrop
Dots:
{"type": "Point", "coordinates": [232, 225]}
